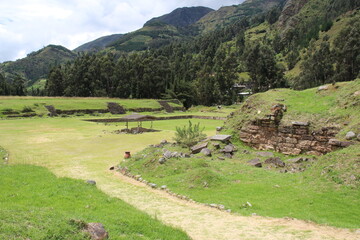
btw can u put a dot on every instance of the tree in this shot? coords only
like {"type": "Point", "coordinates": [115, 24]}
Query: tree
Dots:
{"type": "Point", "coordinates": [262, 67]}
{"type": "Point", "coordinates": [55, 82]}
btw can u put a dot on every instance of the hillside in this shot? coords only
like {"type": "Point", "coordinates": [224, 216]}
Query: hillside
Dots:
{"type": "Point", "coordinates": [305, 187]}
{"type": "Point", "coordinates": [37, 64]}
{"type": "Point", "coordinates": [182, 17]}
{"type": "Point", "coordinates": [226, 15]}
{"type": "Point", "coordinates": [162, 30]}
{"type": "Point", "coordinates": [98, 44]}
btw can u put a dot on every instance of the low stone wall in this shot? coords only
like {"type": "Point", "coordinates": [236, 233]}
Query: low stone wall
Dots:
{"type": "Point", "coordinates": [266, 134]}
{"type": "Point", "coordinates": [108, 120]}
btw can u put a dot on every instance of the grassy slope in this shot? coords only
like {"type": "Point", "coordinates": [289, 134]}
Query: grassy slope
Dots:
{"type": "Point", "coordinates": [331, 182]}
{"type": "Point", "coordinates": [37, 205]}
{"type": "Point", "coordinates": [38, 103]}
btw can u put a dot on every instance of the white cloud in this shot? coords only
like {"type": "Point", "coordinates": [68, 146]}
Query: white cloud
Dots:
{"type": "Point", "coordinates": [28, 25]}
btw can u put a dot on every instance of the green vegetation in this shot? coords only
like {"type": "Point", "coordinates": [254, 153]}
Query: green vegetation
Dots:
{"type": "Point", "coordinates": [188, 136]}
{"type": "Point", "coordinates": [328, 182]}
{"type": "Point", "coordinates": [35, 204]}
{"type": "Point", "coordinates": [338, 106]}
{"type": "Point", "coordinates": [37, 104]}
{"type": "Point", "coordinates": [37, 64]}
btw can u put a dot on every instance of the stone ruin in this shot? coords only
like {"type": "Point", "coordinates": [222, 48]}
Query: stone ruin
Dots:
{"type": "Point", "coordinates": [297, 138]}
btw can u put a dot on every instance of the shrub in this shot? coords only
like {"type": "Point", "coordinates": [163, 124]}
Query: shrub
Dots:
{"type": "Point", "coordinates": [189, 135]}
{"type": "Point", "coordinates": [27, 109]}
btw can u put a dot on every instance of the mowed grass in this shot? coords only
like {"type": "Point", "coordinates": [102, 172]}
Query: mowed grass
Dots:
{"type": "Point", "coordinates": [35, 204]}
{"type": "Point", "coordinates": [70, 147]}
{"type": "Point", "coordinates": [37, 104]}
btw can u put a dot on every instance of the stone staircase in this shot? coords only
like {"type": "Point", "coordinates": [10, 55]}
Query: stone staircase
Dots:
{"type": "Point", "coordinates": [115, 108]}
{"type": "Point", "coordinates": [166, 106]}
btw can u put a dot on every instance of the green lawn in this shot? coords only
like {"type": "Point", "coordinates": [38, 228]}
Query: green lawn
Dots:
{"type": "Point", "coordinates": [37, 103]}
{"type": "Point", "coordinates": [35, 204]}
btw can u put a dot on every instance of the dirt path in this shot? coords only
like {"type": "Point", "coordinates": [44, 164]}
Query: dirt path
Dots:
{"type": "Point", "coordinates": [204, 223]}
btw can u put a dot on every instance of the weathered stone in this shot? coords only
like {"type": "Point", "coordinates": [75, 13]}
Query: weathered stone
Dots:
{"type": "Point", "coordinates": [216, 145]}
{"type": "Point", "coordinates": [206, 152]}
{"type": "Point", "coordinates": [163, 187]}
{"type": "Point", "coordinates": [228, 155]}
{"type": "Point", "coordinates": [221, 158]}
{"type": "Point", "coordinates": [96, 231]}
{"type": "Point", "coordinates": [197, 148]}
{"type": "Point", "coordinates": [163, 142]}
{"type": "Point", "coordinates": [152, 185]}
{"type": "Point", "coordinates": [323, 88]}
{"type": "Point", "coordinates": [265, 154]}
{"type": "Point", "coordinates": [358, 137]}
{"type": "Point", "coordinates": [297, 160]}
{"type": "Point", "coordinates": [255, 162]}
{"type": "Point", "coordinates": [338, 143]}
{"type": "Point", "coordinates": [300, 123]}
{"type": "Point", "coordinates": [228, 149]}
{"type": "Point", "coordinates": [162, 160]}
{"type": "Point", "coordinates": [291, 140]}
{"type": "Point", "coordinates": [221, 138]}
{"type": "Point", "coordinates": [276, 161]}
{"type": "Point", "coordinates": [357, 93]}
{"type": "Point", "coordinates": [91, 182]}
{"type": "Point", "coordinates": [350, 135]}
{"type": "Point", "coordinates": [219, 129]}
{"type": "Point", "coordinates": [167, 154]}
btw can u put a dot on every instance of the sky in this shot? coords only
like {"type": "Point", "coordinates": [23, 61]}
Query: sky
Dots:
{"type": "Point", "coordinates": [29, 25]}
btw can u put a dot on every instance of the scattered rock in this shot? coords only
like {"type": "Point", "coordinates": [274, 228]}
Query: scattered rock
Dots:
{"type": "Point", "coordinates": [221, 138]}
{"type": "Point", "coordinates": [162, 160]}
{"type": "Point", "coordinates": [112, 168]}
{"type": "Point", "coordinates": [221, 158]}
{"type": "Point", "coordinates": [167, 154]}
{"type": "Point", "coordinates": [216, 145]}
{"type": "Point", "coordinates": [213, 205]}
{"type": "Point", "coordinates": [265, 154]}
{"type": "Point", "coordinates": [163, 142]}
{"type": "Point", "coordinates": [338, 143]}
{"type": "Point", "coordinates": [91, 182]}
{"type": "Point", "coordinates": [323, 88]}
{"type": "Point", "coordinates": [357, 93]}
{"type": "Point", "coordinates": [228, 155]}
{"type": "Point", "coordinates": [358, 137]}
{"type": "Point", "coordinates": [277, 186]}
{"type": "Point", "coordinates": [96, 231]}
{"type": "Point", "coordinates": [276, 161]}
{"type": "Point", "coordinates": [152, 185]}
{"type": "Point", "coordinates": [219, 129]}
{"type": "Point", "coordinates": [228, 149]}
{"type": "Point", "coordinates": [350, 135]}
{"type": "Point", "coordinates": [246, 152]}
{"type": "Point", "coordinates": [255, 162]}
{"type": "Point", "coordinates": [300, 123]}
{"type": "Point", "coordinates": [197, 148]}
{"type": "Point", "coordinates": [163, 187]}
{"type": "Point", "coordinates": [297, 160]}
{"type": "Point", "coordinates": [206, 152]}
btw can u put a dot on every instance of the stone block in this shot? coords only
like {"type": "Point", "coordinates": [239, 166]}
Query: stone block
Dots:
{"type": "Point", "coordinates": [291, 140]}
{"type": "Point", "coordinates": [197, 148]}
{"type": "Point", "coordinates": [221, 138]}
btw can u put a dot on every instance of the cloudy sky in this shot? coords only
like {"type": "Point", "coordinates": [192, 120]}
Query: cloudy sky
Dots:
{"type": "Point", "coordinates": [28, 25]}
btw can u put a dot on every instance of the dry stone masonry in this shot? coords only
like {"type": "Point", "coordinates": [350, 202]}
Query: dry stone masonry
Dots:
{"type": "Point", "coordinates": [268, 134]}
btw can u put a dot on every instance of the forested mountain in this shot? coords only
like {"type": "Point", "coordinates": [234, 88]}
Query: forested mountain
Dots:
{"type": "Point", "coordinates": [260, 44]}
{"type": "Point", "coordinates": [182, 17]}
{"type": "Point", "coordinates": [37, 64]}
{"type": "Point", "coordinates": [98, 44]}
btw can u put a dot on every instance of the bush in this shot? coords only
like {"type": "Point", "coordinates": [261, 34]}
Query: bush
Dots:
{"type": "Point", "coordinates": [27, 109]}
{"type": "Point", "coordinates": [189, 135]}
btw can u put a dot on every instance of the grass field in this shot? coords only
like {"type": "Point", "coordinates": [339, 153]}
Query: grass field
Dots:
{"type": "Point", "coordinates": [37, 103]}
{"type": "Point", "coordinates": [35, 204]}
{"type": "Point", "coordinates": [70, 147]}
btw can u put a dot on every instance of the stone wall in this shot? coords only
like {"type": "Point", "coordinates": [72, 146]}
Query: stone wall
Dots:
{"type": "Point", "coordinates": [268, 134]}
